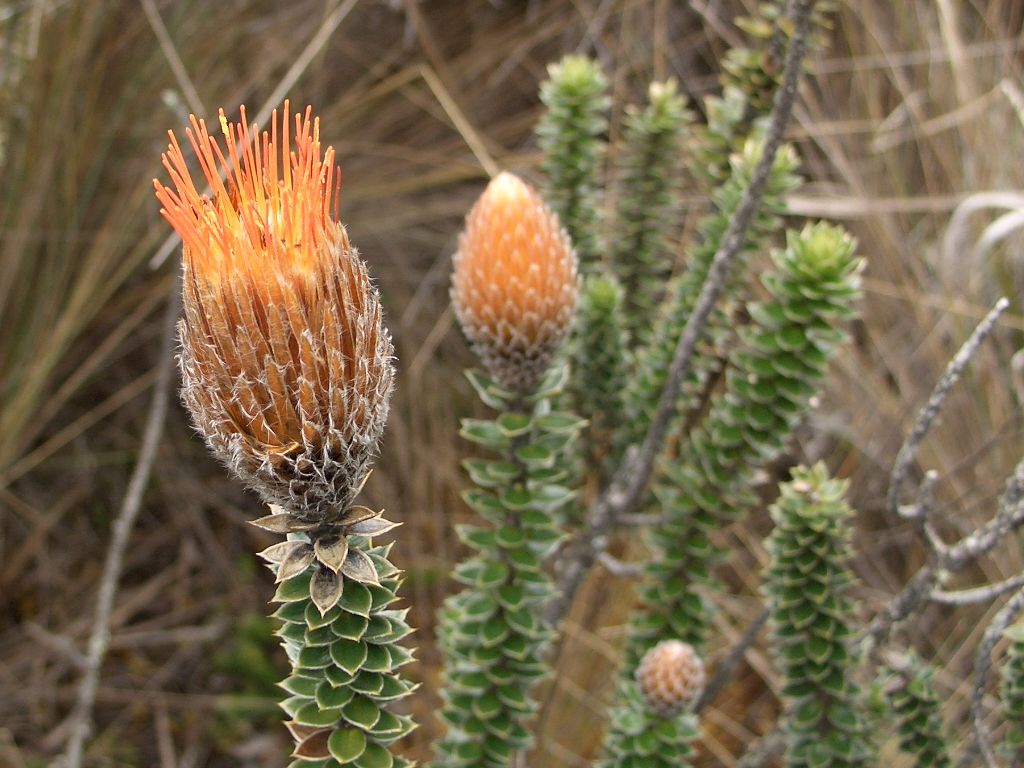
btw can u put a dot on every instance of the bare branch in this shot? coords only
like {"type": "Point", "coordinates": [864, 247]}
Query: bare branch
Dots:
{"type": "Point", "coordinates": [79, 722]}
{"type": "Point", "coordinates": [633, 478]}
{"type": "Point", "coordinates": [728, 665]}
{"type": "Point", "coordinates": [982, 668]}
{"type": "Point", "coordinates": [926, 418]}
{"type": "Point", "coordinates": [617, 567]}
{"type": "Point", "coordinates": [1009, 516]}
{"type": "Point", "coordinates": [974, 595]}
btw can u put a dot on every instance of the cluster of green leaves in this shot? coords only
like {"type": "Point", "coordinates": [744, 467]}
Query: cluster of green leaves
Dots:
{"type": "Point", "coordinates": [600, 359]}
{"type": "Point", "coordinates": [912, 698]}
{"type": "Point", "coordinates": [638, 737]}
{"type": "Point", "coordinates": [775, 370]}
{"type": "Point", "coordinates": [493, 636]}
{"type": "Point", "coordinates": [751, 75]}
{"type": "Point", "coordinates": [571, 135]}
{"type": "Point", "coordinates": [1012, 691]}
{"type": "Point", "coordinates": [656, 357]}
{"type": "Point", "coordinates": [813, 622]}
{"type": "Point", "coordinates": [648, 177]}
{"type": "Point", "coordinates": [345, 668]}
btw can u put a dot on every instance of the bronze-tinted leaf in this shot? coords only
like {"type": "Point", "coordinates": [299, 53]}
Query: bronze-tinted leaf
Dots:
{"type": "Point", "coordinates": [375, 526]}
{"type": "Point", "coordinates": [275, 553]}
{"type": "Point", "coordinates": [325, 589]}
{"type": "Point", "coordinates": [314, 747]}
{"type": "Point", "coordinates": [359, 567]}
{"type": "Point", "coordinates": [295, 562]}
{"type": "Point", "coordinates": [282, 523]}
{"type": "Point", "coordinates": [357, 513]}
{"type": "Point", "coordinates": [301, 732]}
{"type": "Point", "coordinates": [331, 552]}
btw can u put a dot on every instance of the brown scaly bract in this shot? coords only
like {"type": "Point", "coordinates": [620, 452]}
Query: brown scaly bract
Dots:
{"type": "Point", "coordinates": [514, 284]}
{"type": "Point", "coordinates": [287, 367]}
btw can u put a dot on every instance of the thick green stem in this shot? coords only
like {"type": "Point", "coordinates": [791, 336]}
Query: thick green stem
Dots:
{"type": "Point", "coordinates": [814, 620]}
{"type": "Point", "coordinates": [571, 137]}
{"type": "Point", "coordinates": [493, 638]}
{"type": "Point", "coordinates": [775, 371]}
{"type": "Point", "coordinates": [912, 698]}
{"type": "Point", "coordinates": [345, 667]}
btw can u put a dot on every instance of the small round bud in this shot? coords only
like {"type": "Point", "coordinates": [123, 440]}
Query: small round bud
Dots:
{"type": "Point", "coordinates": [670, 676]}
{"type": "Point", "coordinates": [514, 285]}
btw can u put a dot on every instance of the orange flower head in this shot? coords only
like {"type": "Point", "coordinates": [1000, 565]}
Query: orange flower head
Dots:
{"type": "Point", "coordinates": [514, 284]}
{"type": "Point", "coordinates": [287, 367]}
{"type": "Point", "coordinates": [670, 676]}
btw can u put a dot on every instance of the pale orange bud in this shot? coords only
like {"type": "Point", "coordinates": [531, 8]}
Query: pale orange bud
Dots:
{"type": "Point", "coordinates": [514, 284]}
{"type": "Point", "coordinates": [286, 365]}
{"type": "Point", "coordinates": [670, 676]}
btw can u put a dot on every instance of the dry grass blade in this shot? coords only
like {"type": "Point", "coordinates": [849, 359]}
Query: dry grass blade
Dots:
{"type": "Point", "coordinates": [79, 723]}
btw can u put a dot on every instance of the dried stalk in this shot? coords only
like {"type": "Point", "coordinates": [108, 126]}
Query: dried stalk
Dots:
{"type": "Point", "coordinates": [926, 418]}
{"type": "Point", "coordinates": [982, 746]}
{"type": "Point", "coordinates": [79, 722]}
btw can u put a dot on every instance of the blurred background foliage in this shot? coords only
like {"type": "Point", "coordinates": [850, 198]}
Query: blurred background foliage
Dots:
{"type": "Point", "coordinates": [907, 112]}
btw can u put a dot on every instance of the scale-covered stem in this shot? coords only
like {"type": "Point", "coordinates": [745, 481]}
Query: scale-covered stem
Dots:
{"type": "Point", "coordinates": [345, 661]}
{"type": "Point", "coordinates": [571, 135]}
{"type": "Point", "coordinates": [916, 707]}
{"type": "Point", "coordinates": [655, 357]}
{"type": "Point", "coordinates": [814, 620]}
{"type": "Point", "coordinates": [648, 177]}
{"type": "Point", "coordinates": [778, 366]}
{"type": "Point", "coordinates": [601, 360]}
{"type": "Point", "coordinates": [493, 639]}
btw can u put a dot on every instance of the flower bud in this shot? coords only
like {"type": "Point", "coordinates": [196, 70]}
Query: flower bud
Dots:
{"type": "Point", "coordinates": [286, 366]}
{"type": "Point", "coordinates": [514, 284]}
{"type": "Point", "coordinates": [670, 676]}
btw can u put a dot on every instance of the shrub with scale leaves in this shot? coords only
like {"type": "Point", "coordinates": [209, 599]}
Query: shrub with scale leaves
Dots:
{"type": "Point", "coordinates": [571, 135]}
{"type": "Point", "coordinates": [514, 280]}
{"type": "Point", "coordinates": [1012, 692]}
{"type": "Point", "coordinates": [655, 357]}
{"type": "Point", "coordinates": [911, 695]}
{"type": "Point", "coordinates": [650, 727]}
{"type": "Point", "coordinates": [775, 370]}
{"type": "Point", "coordinates": [493, 638]}
{"type": "Point", "coordinates": [345, 667]}
{"type": "Point", "coordinates": [601, 361]}
{"type": "Point", "coordinates": [648, 178]}
{"type": "Point", "coordinates": [813, 623]}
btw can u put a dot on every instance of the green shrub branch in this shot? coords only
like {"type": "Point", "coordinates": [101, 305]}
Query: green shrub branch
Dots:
{"type": "Point", "coordinates": [493, 638]}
